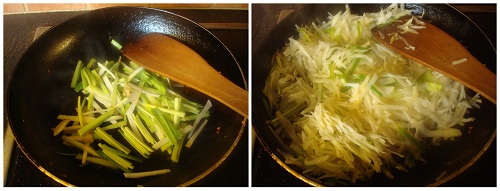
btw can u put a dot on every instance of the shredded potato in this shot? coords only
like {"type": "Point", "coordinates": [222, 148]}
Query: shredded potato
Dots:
{"type": "Point", "coordinates": [350, 107]}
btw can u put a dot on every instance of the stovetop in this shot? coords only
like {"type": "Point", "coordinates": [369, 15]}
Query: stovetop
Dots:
{"type": "Point", "coordinates": [267, 172]}
{"type": "Point", "coordinates": [230, 26]}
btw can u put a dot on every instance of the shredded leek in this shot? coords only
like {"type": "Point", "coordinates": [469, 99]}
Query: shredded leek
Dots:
{"type": "Point", "coordinates": [145, 174]}
{"type": "Point", "coordinates": [123, 101]}
{"type": "Point", "coordinates": [98, 161]}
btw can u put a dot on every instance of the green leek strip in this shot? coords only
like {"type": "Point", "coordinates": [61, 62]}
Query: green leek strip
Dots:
{"type": "Point", "coordinates": [119, 153]}
{"type": "Point", "coordinates": [99, 83]}
{"type": "Point", "coordinates": [150, 97]}
{"type": "Point", "coordinates": [115, 65]}
{"type": "Point", "coordinates": [114, 93]}
{"type": "Point", "coordinates": [143, 130]}
{"type": "Point", "coordinates": [193, 117]}
{"type": "Point", "coordinates": [122, 102]}
{"type": "Point", "coordinates": [134, 65]}
{"type": "Point", "coordinates": [429, 82]}
{"type": "Point", "coordinates": [76, 74]}
{"type": "Point", "coordinates": [167, 101]}
{"type": "Point", "coordinates": [59, 127]}
{"type": "Point", "coordinates": [116, 44]}
{"type": "Point", "coordinates": [127, 69]}
{"type": "Point", "coordinates": [133, 127]}
{"type": "Point", "coordinates": [425, 77]}
{"type": "Point", "coordinates": [174, 112]}
{"type": "Point", "coordinates": [99, 96]}
{"type": "Point", "coordinates": [141, 147]}
{"type": "Point", "coordinates": [160, 143]}
{"type": "Point", "coordinates": [114, 126]}
{"type": "Point", "coordinates": [403, 132]}
{"type": "Point", "coordinates": [89, 76]}
{"type": "Point", "coordinates": [85, 154]}
{"type": "Point", "coordinates": [142, 82]}
{"type": "Point", "coordinates": [110, 140]}
{"type": "Point", "coordinates": [353, 66]}
{"type": "Point", "coordinates": [108, 85]}
{"type": "Point", "coordinates": [196, 107]}
{"type": "Point", "coordinates": [75, 118]}
{"type": "Point", "coordinates": [119, 160]}
{"type": "Point", "coordinates": [79, 86]}
{"type": "Point", "coordinates": [134, 73]}
{"type": "Point", "coordinates": [146, 116]}
{"type": "Point", "coordinates": [145, 88]}
{"type": "Point", "coordinates": [104, 69]}
{"type": "Point", "coordinates": [84, 78]}
{"type": "Point", "coordinates": [134, 97]}
{"type": "Point", "coordinates": [376, 91]}
{"type": "Point", "coordinates": [167, 147]}
{"type": "Point", "coordinates": [191, 108]}
{"type": "Point", "coordinates": [145, 174]}
{"type": "Point", "coordinates": [158, 85]}
{"type": "Point", "coordinates": [159, 133]}
{"type": "Point", "coordinates": [80, 146]}
{"type": "Point", "coordinates": [91, 62]}
{"type": "Point", "coordinates": [79, 111]}
{"type": "Point", "coordinates": [90, 101]}
{"type": "Point", "coordinates": [98, 161]}
{"type": "Point", "coordinates": [177, 107]}
{"type": "Point", "coordinates": [103, 155]}
{"type": "Point", "coordinates": [134, 144]}
{"type": "Point", "coordinates": [144, 145]}
{"type": "Point", "coordinates": [177, 150]}
{"type": "Point", "coordinates": [195, 135]}
{"type": "Point", "coordinates": [205, 109]}
{"type": "Point", "coordinates": [296, 108]}
{"type": "Point", "coordinates": [95, 123]}
{"type": "Point", "coordinates": [433, 86]}
{"type": "Point", "coordinates": [165, 126]}
{"type": "Point", "coordinates": [186, 129]}
{"type": "Point", "coordinates": [85, 138]}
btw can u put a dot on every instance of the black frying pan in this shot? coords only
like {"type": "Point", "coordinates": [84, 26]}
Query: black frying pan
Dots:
{"type": "Point", "coordinates": [39, 91]}
{"type": "Point", "coordinates": [452, 157]}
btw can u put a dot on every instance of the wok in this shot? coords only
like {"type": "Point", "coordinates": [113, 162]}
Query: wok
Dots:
{"type": "Point", "coordinates": [451, 158]}
{"type": "Point", "coordinates": [39, 91]}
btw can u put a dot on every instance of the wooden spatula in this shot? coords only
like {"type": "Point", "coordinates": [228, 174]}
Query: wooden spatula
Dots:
{"type": "Point", "coordinates": [171, 58]}
{"type": "Point", "coordinates": [439, 51]}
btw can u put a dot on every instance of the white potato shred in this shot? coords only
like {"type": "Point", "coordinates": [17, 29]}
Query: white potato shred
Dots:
{"type": "Point", "coordinates": [349, 107]}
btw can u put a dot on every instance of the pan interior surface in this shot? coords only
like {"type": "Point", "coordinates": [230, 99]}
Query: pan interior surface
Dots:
{"type": "Point", "coordinates": [39, 91]}
{"type": "Point", "coordinates": [443, 162]}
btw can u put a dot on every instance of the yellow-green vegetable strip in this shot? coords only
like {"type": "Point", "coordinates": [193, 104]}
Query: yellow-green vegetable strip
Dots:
{"type": "Point", "coordinates": [92, 125]}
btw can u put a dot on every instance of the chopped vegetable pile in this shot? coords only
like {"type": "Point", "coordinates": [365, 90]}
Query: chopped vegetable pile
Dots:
{"type": "Point", "coordinates": [124, 107]}
{"type": "Point", "coordinates": [349, 107]}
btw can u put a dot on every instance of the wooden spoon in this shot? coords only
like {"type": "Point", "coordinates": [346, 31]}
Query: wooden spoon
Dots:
{"type": "Point", "coordinates": [171, 58]}
{"type": "Point", "coordinates": [437, 50]}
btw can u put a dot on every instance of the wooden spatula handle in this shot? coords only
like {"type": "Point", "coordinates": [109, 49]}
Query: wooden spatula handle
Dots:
{"type": "Point", "coordinates": [438, 50]}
